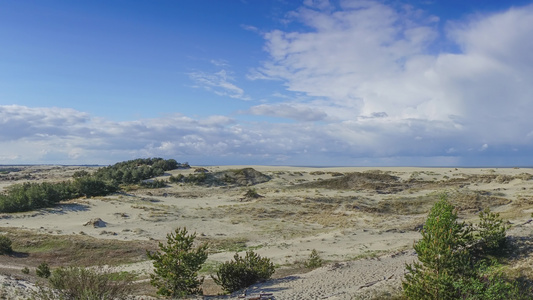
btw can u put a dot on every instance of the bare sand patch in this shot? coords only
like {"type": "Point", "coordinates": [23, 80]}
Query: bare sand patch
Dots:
{"type": "Point", "coordinates": [363, 225]}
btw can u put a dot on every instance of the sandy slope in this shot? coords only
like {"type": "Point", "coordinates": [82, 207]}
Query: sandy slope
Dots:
{"type": "Point", "coordinates": [286, 223]}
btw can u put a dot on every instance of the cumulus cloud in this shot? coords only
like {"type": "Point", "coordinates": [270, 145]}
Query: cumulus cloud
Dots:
{"type": "Point", "coordinates": [373, 89]}
{"type": "Point", "coordinates": [378, 64]}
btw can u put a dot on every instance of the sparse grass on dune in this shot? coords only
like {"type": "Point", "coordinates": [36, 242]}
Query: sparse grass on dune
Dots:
{"type": "Point", "coordinates": [62, 250]}
{"type": "Point", "coordinates": [296, 210]}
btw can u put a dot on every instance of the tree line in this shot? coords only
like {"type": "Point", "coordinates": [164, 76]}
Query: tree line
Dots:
{"type": "Point", "coordinates": [29, 195]}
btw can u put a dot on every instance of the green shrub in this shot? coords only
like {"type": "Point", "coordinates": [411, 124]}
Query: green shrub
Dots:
{"type": "Point", "coordinates": [491, 231]}
{"type": "Point", "coordinates": [25, 270]}
{"type": "Point", "coordinates": [452, 263]}
{"type": "Point", "coordinates": [156, 184]}
{"type": "Point", "coordinates": [442, 254]}
{"type": "Point", "coordinates": [252, 194]}
{"type": "Point", "coordinates": [43, 270]}
{"type": "Point", "coordinates": [243, 271]}
{"type": "Point", "coordinates": [5, 245]}
{"type": "Point", "coordinates": [176, 265]}
{"type": "Point", "coordinates": [314, 261]}
{"type": "Point", "coordinates": [77, 283]}
{"type": "Point", "coordinates": [176, 179]}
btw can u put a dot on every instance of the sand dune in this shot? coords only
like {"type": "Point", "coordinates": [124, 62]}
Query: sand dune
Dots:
{"type": "Point", "coordinates": [363, 227]}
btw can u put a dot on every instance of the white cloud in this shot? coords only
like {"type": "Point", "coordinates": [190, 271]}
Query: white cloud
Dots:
{"type": "Point", "coordinates": [371, 89]}
{"type": "Point", "coordinates": [219, 83]}
{"type": "Point", "coordinates": [290, 111]}
{"type": "Point", "coordinates": [368, 59]}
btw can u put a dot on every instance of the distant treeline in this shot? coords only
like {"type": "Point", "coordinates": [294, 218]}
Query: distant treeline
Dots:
{"type": "Point", "coordinates": [106, 180]}
{"type": "Point", "coordinates": [8, 170]}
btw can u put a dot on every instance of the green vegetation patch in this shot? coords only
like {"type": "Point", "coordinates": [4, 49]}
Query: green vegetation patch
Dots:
{"type": "Point", "coordinates": [77, 249]}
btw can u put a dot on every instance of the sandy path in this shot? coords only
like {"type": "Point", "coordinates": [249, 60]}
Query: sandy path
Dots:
{"type": "Point", "coordinates": [361, 279]}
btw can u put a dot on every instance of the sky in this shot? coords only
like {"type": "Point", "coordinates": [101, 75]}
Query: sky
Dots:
{"type": "Point", "coordinates": [269, 82]}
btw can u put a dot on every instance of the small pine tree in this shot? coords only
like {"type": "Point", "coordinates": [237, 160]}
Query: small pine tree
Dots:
{"type": "Point", "coordinates": [491, 231]}
{"type": "Point", "coordinates": [442, 253]}
{"type": "Point", "coordinates": [5, 245]}
{"type": "Point", "coordinates": [43, 270]}
{"type": "Point", "coordinates": [314, 261]}
{"type": "Point", "coordinates": [176, 265]}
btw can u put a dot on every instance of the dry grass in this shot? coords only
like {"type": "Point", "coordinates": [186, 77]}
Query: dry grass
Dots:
{"type": "Point", "coordinates": [61, 250]}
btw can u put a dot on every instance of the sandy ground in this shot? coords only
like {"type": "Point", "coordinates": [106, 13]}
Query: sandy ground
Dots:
{"type": "Point", "coordinates": [366, 248]}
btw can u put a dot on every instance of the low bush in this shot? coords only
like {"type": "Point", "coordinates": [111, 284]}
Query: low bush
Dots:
{"type": "Point", "coordinates": [491, 231]}
{"type": "Point", "coordinates": [243, 271]}
{"type": "Point", "coordinates": [155, 184]}
{"type": "Point", "coordinates": [314, 261]}
{"type": "Point", "coordinates": [5, 245]}
{"type": "Point", "coordinates": [43, 270]}
{"type": "Point", "coordinates": [77, 283]}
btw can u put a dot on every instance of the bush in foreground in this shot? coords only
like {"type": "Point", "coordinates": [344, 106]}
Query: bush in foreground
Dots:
{"type": "Point", "coordinates": [77, 283]}
{"type": "Point", "coordinates": [452, 262]}
{"type": "Point", "coordinates": [176, 265]}
{"type": "Point", "coordinates": [243, 271]}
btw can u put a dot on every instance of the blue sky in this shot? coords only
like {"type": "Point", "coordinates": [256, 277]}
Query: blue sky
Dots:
{"type": "Point", "coordinates": [312, 82]}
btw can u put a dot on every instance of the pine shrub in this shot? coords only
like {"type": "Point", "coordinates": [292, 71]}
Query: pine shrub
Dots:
{"type": "Point", "coordinates": [5, 245]}
{"type": "Point", "coordinates": [314, 261]}
{"type": "Point", "coordinates": [43, 270]}
{"type": "Point", "coordinates": [176, 265]}
{"type": "Point", "coordinates": [452, 262]}
{"type": "Point", "coordinates": [243, 271]}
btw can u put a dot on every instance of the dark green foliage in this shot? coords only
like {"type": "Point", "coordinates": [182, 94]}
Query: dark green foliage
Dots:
{"type": "Point", "coordinates": [490, 283]}
{"type": "Point", "coordinates": [155, 184]}
{"type": "Point", "coordinates": [28, 196]}
{"type": "Point", "coordinates": [5, 245]}
{"type": "Point", "coordinates": [442, 255]}
{"type": "Point", "coordinates": [196, 178]}
{"type": "Point", "coordinates": [77, 283]}
{"type": "Point", "coordinates": [9, 170]}
{"type": "Point", "coordinates": [89, 186]}
{"type": "Point", "coordinates": [176, 179]}
{"type": "Point", "coordinates": [243, 271]}
{"type": "Point", "coordinates": [314, 261]}
{"type": "Point", "coordinates": [252, 194]}
{"type": "Point", "coordinates": [43, 270]}
{"type": "Point", "coordinates": [81, 173]}
{"type": "Point", "coordinates": [176, 265]}
{"type": "Point", "coordinates": [134, 171]}
{"type": "Point", "coordinates": [25, 270]}
{"type": "Point", "coordinates": [451, 263]}
{"type": "Point", "coordinates": [491, 231]}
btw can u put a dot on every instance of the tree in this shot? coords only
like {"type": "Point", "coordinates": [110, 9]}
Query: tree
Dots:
{"type": "Point", "coordinates": [176, 265]}
{"type": "Point", "coordinates": [442, 253]}
{"type": "Point", "coordinates": [452, 262]}
{"type": "Point", "coordinates": [491, 231]}
{"type": "Point", "coordinates": [314, 261]}
{"type": "Point", "coordinates": [5, 245]}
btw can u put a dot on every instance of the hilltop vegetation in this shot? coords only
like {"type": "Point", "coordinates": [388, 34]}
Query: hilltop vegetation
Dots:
{"type": "Point", "coordinates": [237, 177]}
{"type": "Point", "coordinates": [106, 180]}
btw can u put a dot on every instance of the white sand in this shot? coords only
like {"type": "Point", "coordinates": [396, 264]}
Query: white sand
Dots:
{"type": "Point", "coordinates": [284, 225]}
